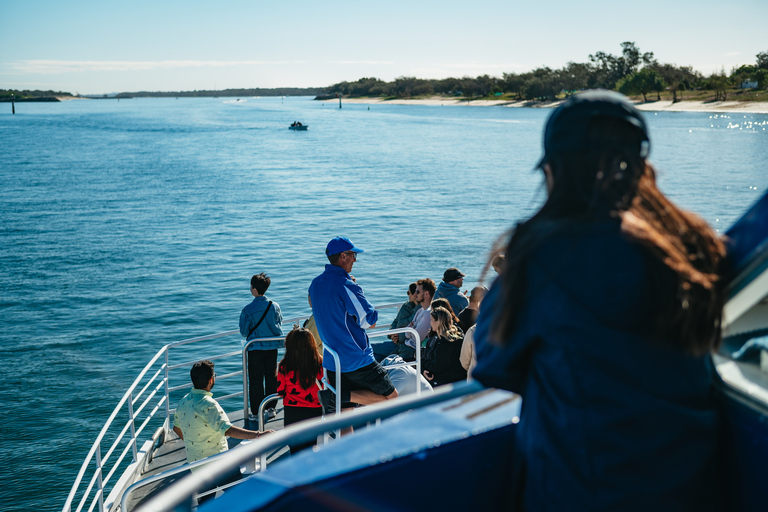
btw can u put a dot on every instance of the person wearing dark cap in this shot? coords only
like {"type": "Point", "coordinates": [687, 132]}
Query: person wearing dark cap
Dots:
{"type": "Point", "coordinates": [450, 289]}
{"type": "Point", "coordinates": [604, 318]}
{"type": "Point", "coordinates": [342, 314]}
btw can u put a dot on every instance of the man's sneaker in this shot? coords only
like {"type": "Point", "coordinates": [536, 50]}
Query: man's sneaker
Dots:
{"type": "Point", "coordinates": [269, 414]}
{"type": "Point", "coordinates": [327, 401]}
{"type": "Point", "coordinates": [252, 418]}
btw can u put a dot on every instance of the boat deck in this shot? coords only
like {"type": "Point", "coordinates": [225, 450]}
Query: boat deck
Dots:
{"type": "Point", "coordinates": [170, 455]}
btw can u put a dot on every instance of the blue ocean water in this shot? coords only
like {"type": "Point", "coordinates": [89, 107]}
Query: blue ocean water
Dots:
{"type": "Point", "coordinates": [128, 225]}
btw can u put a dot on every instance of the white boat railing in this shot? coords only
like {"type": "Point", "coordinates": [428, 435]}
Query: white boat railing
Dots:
{"type": "Point", "coordinates": [142, 409]}
{"type": "Point", "coordinates": [178, 496]}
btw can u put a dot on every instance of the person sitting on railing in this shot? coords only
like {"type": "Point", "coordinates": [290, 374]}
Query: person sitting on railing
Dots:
{"type": "Point", "coordinates": [203, 425]}
{"type": "Point", "coordinates": [342, 313]}
{"type": "Point", "coordinates": [261, 319]}
{"type": "Point", "coordinates": [298, 379]}
{"type": "Point", "coordinates": [404, 316]}
{"type": "Point", "coordinates": [440, 358]}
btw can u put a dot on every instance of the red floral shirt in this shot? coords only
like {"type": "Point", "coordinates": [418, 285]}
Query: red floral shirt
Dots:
{"type": "Point", "coordinates": [293, 394]}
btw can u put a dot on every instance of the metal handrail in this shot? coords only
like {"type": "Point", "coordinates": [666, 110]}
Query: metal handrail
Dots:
{"type": "Point", "coordinates": [97, 444]}
{"type": "Point", "coordinates": [94, 454]}
{"type": "Point", "coordinates": [181, 491]}
{"type": "Point", "coordinates": [337, 363]}
{"type": "Point", "coordinates": [245, 366]}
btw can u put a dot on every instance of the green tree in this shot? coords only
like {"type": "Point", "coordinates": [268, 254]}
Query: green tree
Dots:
{"type": "Point", "coordinates": [642, 82]}
{"type": "Point", "coordinates": [542, 84]}
{"type": "Point", "coordinates": [513, 83]}
{"type": "Point", "coordinates": [575, 77]}
{"type": "Point", "coordinates": [678, 78]}
{"type": "Point", "coordinates": [761, 75]}
{"type": "Point", "coordinates": [762, 60]}
{"type": "Point", "coordinates": [609, 69]}
{"type": "Point", "coordinates": [719, 83]}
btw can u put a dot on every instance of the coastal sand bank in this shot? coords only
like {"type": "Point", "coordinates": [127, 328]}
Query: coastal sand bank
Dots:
{"type": "Point", "coordinates": [654, 106]}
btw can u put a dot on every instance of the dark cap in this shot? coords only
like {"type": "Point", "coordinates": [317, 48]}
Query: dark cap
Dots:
{"type": "Point", "coordinates": [452, 274]}
{"type": "Point", "coordinates": [340, 244]}
{"type": "Point", "coordinates": [566, 130]}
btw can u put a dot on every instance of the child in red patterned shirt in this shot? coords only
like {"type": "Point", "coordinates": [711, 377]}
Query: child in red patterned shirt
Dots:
{"type": "Point", "coordinates": [298, 376]}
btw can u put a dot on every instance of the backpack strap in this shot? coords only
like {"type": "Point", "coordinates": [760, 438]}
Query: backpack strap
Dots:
{"type": "Point", "coordinates": [260, 320]}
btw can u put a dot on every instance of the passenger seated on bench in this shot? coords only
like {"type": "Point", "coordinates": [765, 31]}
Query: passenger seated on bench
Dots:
{"type": "Point", "coordinates": [468, 317]}
{"type": "Point", "coordinates": [425, 291]}
{"type": "Point", "coordinates": [443, 303]}
{"type": "Point", "coordinates": [604, 318]}
{"type": "Point", "coordinates": [404, 316]}
{"type": "Point", "coordinates": [203, 425]}
{"type": "Point", "coordinates": [440, 358]}
{"type": "Point", "coordinates": [298, 379]}
{"type": "Point", "coordinates": [405, 378]}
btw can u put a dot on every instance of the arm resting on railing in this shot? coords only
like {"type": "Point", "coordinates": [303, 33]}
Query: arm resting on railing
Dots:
{"type": "Point", "coordinates": [233, 431]}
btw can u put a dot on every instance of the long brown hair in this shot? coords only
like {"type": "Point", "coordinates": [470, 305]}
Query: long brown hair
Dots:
{"type": "Point", "coordinates": [445, 326]}
{"type": "Point", "coordinates": [442, 302]}
{"type": "Point", "coordinates": [301, 357]}
{"type": "Point", "coordinates": [611, 181]}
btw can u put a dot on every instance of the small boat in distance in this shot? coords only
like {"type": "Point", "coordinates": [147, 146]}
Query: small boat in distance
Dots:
{"type": "Point", "coordinates": [296, 125]}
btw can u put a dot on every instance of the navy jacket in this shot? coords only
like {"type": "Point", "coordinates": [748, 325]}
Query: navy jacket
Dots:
{"type": "Point", "coordinates": [612, 419]}
{"type": "Point", "coordinates": [454, 296]}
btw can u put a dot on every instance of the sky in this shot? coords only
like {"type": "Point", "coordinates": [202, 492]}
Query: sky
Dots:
{"type": "Point", "coordinates": [89, 47]}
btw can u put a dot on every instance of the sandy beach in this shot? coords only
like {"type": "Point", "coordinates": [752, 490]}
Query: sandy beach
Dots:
{"type": "Point", "coordinates": [655, 106]}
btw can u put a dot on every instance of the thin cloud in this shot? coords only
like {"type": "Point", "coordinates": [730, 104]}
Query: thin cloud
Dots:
{"type": "Point", "coordinates": [480, 66]}
{"type": "Point", "coordinates": [373, 62]}
{"type": "Point", "coordinates": [48, 67]}
{"type": "Point", "coordinates": [732, 54]}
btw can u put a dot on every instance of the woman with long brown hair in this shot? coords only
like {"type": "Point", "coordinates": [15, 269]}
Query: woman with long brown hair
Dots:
{"type": "Point", "coordinates": [440, 359]}
{"type": "Point", "coordinates": [603, 319]}
{"type": "Point", "coordinates": [297, 378]}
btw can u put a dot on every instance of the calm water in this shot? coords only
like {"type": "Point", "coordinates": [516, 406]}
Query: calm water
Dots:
{"type": "Point", "coordinates": [128, 225]}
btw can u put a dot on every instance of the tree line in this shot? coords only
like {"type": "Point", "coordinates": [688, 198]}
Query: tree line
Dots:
{"type": "Point", "coordinates": [26, 95]}
{"type": "Point", "coordinates": [631, 72]}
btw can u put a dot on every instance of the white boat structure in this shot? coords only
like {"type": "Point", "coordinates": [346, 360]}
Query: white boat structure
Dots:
{"type": "Point", "coordinates": [457, 439]}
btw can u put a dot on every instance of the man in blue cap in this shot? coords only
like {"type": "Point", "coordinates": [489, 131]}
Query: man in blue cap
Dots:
{"type": "Point", "coordinates": [342, 314]}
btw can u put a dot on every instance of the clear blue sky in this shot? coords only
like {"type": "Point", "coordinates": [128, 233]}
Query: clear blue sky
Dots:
{"type": "Point", "coordinates": [100, 47]}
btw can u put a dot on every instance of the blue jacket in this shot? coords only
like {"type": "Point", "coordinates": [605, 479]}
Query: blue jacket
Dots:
{"type": "Point", "coordinates": [612, 418]}
{"type": "Point", "coordinates": [457, 300]}
{"type": "Point", "coordinates": [342, 314]}
{"type": "Point", "coordinates": [269, 327]}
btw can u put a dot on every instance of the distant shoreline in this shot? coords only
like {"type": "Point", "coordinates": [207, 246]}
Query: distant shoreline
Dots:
{"type": "Point", "coordinates": [732, 107]}
{"type": "Point", "coordinates": [752, 107]}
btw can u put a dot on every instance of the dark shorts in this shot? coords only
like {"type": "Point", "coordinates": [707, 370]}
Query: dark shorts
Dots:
{"type": "Point", "coordinates": [372, 377]}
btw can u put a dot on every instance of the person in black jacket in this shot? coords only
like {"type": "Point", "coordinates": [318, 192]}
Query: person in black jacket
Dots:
{"type": "Point", "coordinates": [603, 318]}
{"type": "Point", "coordinates": [440, 358]}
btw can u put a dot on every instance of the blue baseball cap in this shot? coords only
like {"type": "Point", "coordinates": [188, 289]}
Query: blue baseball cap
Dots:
{"type": "Point", "coordinates": [340, 244]}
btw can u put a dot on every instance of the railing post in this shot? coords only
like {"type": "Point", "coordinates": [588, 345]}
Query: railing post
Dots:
{"type": "Point", "coordinates": [245, 382]}
{"type": "Point", "coordinates": [167, 392]}
{"type": "Point", "coordinates": [100, 488]}
{"type": "Point", "coordinates": [133, 427]}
